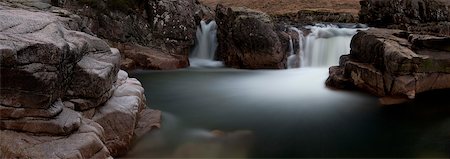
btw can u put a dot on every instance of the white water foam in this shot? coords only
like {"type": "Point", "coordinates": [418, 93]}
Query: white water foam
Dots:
{"type": "Point", "coordinates": [324, 45]}
{"type": "Point", "coordinates": [205, 49]}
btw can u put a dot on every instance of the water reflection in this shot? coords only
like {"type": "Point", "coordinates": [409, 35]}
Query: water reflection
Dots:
{"type": "Point", "coordinates": [289, 113]}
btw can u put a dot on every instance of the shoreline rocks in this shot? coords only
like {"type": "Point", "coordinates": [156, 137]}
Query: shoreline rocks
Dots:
{"type": "Point", "coordinates": [63, 94]}
{"type": "Point", "coordinates": [394, 63]}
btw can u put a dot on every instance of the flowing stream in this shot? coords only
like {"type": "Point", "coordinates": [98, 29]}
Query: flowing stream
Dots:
{"type": "Point", "coordinates": [222, 112]}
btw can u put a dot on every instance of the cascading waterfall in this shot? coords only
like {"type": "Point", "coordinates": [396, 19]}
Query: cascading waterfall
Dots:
{"type": "Point", "coordinates": [324, 45]}
{"type": "Point", "coordinates": [295, 60]}
{"type": "Point", "coordinates": [204, 51]}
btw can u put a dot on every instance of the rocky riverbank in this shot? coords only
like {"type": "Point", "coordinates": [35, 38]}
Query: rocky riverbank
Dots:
{"type": "Point", "coordinates": [398, 64]}
{"type": "Point", "coordinates": [62, 92]}
{"type": "Point", "coordinates": [394, 64]}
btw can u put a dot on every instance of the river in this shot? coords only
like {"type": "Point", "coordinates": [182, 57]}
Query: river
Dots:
{"type": "Point", "coordinates": [226, 112]}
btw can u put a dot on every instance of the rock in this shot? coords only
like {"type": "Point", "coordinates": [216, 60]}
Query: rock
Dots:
{"type": "Point", "coordinates": [429, 16]}
{"type": "Point", "coordinates": [149, 119]}
{"type": "Point", "coordinates": [64, 124]}
{"type": "Point", "coordinates": [16, 113]}
{"type": "Point", "coordinates": [54, 81]}
{"type": "Point", "coordinates": [84, 143]}
{"type": "Point", "coordinates": [124, 105]}
{"type": "Point", "coordinates": [313, 17]}
{"type": "Point", "coordinates": [94, 76]}
{"type": "Point", "coordinates": [248, 40]}
{"type": "Point", "coordinates": [148, 58]}
{"type": "Point", "coordinates": [34, 55]}
{"type": "Point", "coordinates": [163, 30]}
{"type": "Point", "coordinates": [174, 24]}
{"type": "Point", "coordinates": [394, 64]}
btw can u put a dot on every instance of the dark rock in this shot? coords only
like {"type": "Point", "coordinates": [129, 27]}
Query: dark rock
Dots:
{"type": "Point", "coordinates": [173, 24]}
{"type": "Point", "coordinates": [164, 25]}
{"type": "Point", "coordinates": [394, 64]}
{"type": "Point", "coordinates": [248, 40]}
{"type": "Point", "coordinates": [429, 16]}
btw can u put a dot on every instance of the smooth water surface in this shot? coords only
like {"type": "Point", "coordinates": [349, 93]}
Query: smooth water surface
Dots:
{"type": "Point", "coordinates": [284, 113]}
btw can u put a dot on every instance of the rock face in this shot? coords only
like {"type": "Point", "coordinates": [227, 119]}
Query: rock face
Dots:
{"type": "Point", "coordinates": [248, 40]}
{"type": "Point", "coordinates": [430, 16]}
{"type": "Point", "coordinates": [394, 63]}
{"type": "Point", "coordinates": [62, 94]}
{"type": "Point", "coordinates": [167, 26]}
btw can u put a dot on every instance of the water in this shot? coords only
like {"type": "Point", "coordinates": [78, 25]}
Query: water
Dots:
{"type": "Point", "coordinates": [295, 60]}
{"type": "Point", "coordinates": [204, 51]}
{"type": "Point", "coordinates": [286, 113]}
{"type": "Point", "coordinates": [323, 46]}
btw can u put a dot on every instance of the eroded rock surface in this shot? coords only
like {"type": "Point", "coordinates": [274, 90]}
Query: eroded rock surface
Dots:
{"type": "Point", "coordinates": [248, 39]}
{"type": "Point", "coordinates": [62, 94]}
{"type": "Point", "coordinates": [394, 63]}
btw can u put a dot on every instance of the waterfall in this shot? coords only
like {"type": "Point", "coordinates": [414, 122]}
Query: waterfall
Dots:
{"type": "Point", "coordinates": [296, 58]}
{"type": "Point", "coordinates": [324, 45]}
{"type": "Point", "coordinates": [206, 44]}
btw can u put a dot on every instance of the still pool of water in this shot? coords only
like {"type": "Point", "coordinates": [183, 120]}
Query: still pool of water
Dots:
{"type": "Point", "coordinates": [284, 113]}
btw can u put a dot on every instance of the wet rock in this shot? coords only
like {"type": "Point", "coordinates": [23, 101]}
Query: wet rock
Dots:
{"type": "Point", "coordinates": [248, 40]}
{"type": "Point", "coordinates": [150, 119]}
{"type": "Point", "coordinates": [394, 64]}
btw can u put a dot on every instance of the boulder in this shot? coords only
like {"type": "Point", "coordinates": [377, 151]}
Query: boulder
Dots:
{"type": "Point", "coordinates": [137, 56]}
{"type": "Point", "coordinates": [125, 105]}
{"type": "Point", "coordinates": [62, 93]}
{"type": "Point", "coordinates": [428, 16]}
{"type": "Point", "coordinates": [247, 39]}
{"type": "Point", "coordinates": [35, 58]}
{"type": "Point", "coordinates": [394, 64]}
